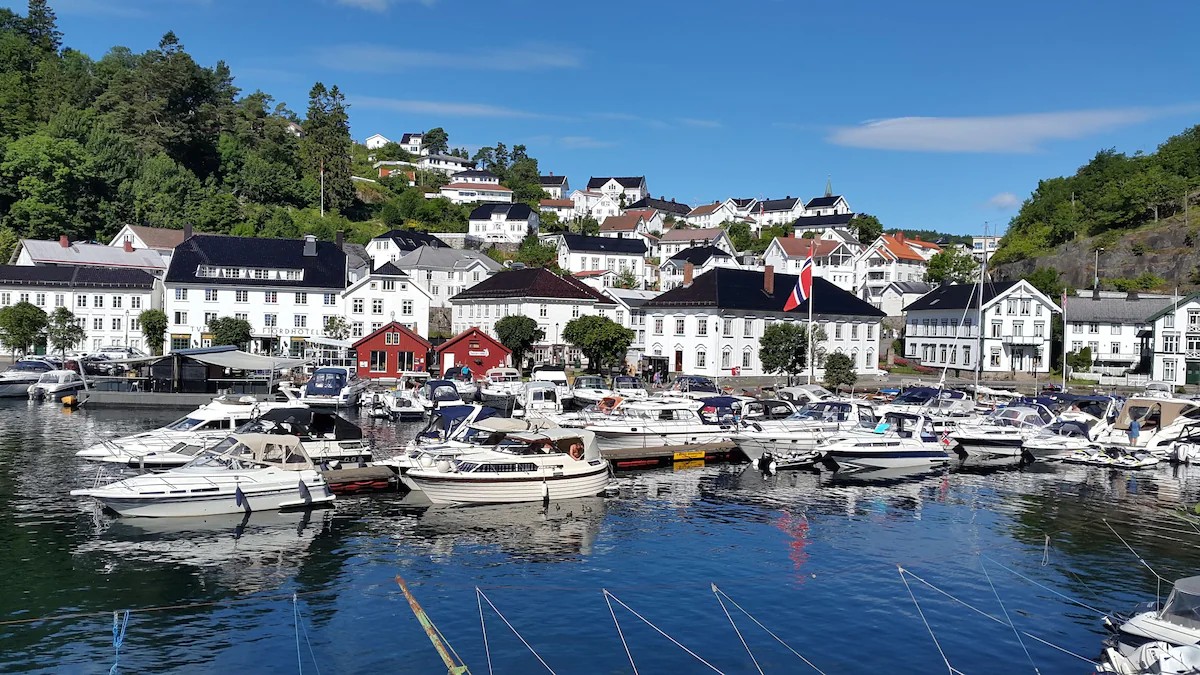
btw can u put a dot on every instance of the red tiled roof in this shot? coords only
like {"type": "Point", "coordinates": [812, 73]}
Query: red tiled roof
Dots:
{"type": "Point", "coordinates": [647, 214]}
{"type": "Point", "coordinates": [795, 247]}
{"type": "Point", "coordinates": [705, 210]}
{"type": "Point", "coordinates": [627, 221]}
{"type": "Point", "coordinates": [686, 234]}
{"type": "Point", "coordinates": [556, 203]}
{"type": "Point", "coordinates": [157, 237]}
{"type": "Point", "coordinates": [592, 273]}
{"type": "Point", "coordinates": [532, 282]}
{"type": "Point", "coordinates": [898, 248]}
{"type": "Point", "coordinates": [489, 187]}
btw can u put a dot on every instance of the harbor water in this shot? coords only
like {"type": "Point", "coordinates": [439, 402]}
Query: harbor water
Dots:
{"type": "Point", "coordinates": [813, 559]}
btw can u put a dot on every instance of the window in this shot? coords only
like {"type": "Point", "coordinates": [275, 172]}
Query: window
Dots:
{"type": "Point", "coordinates": [81, 301]}
{"type": "Point", "coordinates": [574, 311]}
{"type": "Point", "coordinates": [995, 359]}
{"type": "Point", "coordinates": [40, 300]}
{"type": "Point", "coordinates": [953, 355]}
{"type": "Point", "coordinates": [995, 329]}
{"type": "Point", "coordinates": [378, 361]}
{"type": "Point", "coordinates": [270, 320]}
{"type": "Point", "coordinates": [943, 356]}
{"type": "Point", "coordinates": [116, 323]}
{"type": "Point", "coordinates": [331, 298]}
{"type": "Point", "coordinates": [1116, 347]}
{"type": "Point", "coordinates": [1169, 370]}
{"type": "Point", "coordinates": [912, 348]}
{"type": "Point", "coordinates": [406, 308]}
{"type": "Point", "coordinates": [241, 316]}
{"type": "Point", "coordinates": [701, 359]}
{"type": "Point", "coordinates": [98, 323]}
{"type": "Point", "coordinates": [377, 305]}
{"type": "Point", "coordinates": [436, 290]}
{"type": "Point", "coordinates": [241, 296]}
{"type": "Point", "coordinates": [1171, 343]}
{"type": "Point", "coordinates": [300, 321]}
{"type": "Point", "coordinates": [97, 300]}
{"type": "Point", "coordinates": [1012, 306]}
{"type": "Point", "coordinates": [271, 297]}
{"type": "Point", "coordinates": [210, 295]}
{"type": "Point", "coordinates": [679, 326]}
{"type": "Point", "coordinates": [180, 342]}
{"type": "Point", "coordinates": [837, 331]}
{"type": "Point", "coordinates": [302, 298]}
{"type": "Point", "coordinates": [209, 317]}
{"type": "Point", "coordinates": [356, 329]}
{"type": "Point", "coordinates": [1018, 328]}
{"type": "Point", "coordinates": [542, 311]}
{"type": "Point", "coordinates": [134, 324]}
{"type": "Point", "coordinates": [747, 327]}
{"type": "Point", "coordinates": [658, 326]}
{"type": "Point", "coordinates": [135, 302]}
{"type": "Point", "coordinates": [391, 338]}
{"type": "Point", "coordinates": [1093, 328]}
{"type": "Point", "coordinates": [1116, 329]}
{"type": "Point", "coordinates": [1095, 348]}
{"type": "Point", "coordinates": [1169, 321]}
{"type": "Point", "coordinates": [853, 331]}
{"type": "Point", "coordinates": [1076, 328]}
{"type": "Point", "coordinates": [180, 294]}
{"type": "Point", "coordinates": [389, 284]}
{"type": "Point", "coordinates": [966, 356]}
{"type": "Point", "coordinates": [727, 328]}
{"type": "Point", "coordinates": [1039, 328]}
{"type": "Point", "coordinates": [1037, 309]}
{"type": "Point", "coordinates": [181, 318]}
{"type": "Point", "coordinates": [1024, 308]}
{"type": "Point", "coordinates": [702, 327]}
{"type": "Point", "coordinates": [356, 306]}
{"type": "Point", "coordinates": [727, 358]}
{"type": "Point", "coordinates": [59, 299]}
{"type": "Point", "coordinates": [747, 358]}
{"type": "Point", "coordinates": [1076, 345]}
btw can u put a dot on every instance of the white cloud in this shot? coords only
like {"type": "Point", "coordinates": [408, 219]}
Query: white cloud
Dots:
{"type": "Point", "coordinates": [447, 108]}
{"type": "Point", "coordinates": [381, 5]}
{"type": "Point", "coordinates": [370, 58]}
{"type": "Point", "coordinates": [997, 133]}
{"type": "Point", "coordinates": [1004, 201]}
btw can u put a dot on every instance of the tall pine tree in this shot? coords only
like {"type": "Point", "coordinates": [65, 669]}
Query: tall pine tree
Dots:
{"type": "Point", "coordinates": [326, 145]}
{"type": "Point", "coordinates": [42, 27]}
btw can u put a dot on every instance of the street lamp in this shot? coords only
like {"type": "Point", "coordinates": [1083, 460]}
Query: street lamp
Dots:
{"type": "Point", "coordinates": [126, 331]}
{"type": "Point", "coordinates": [1096, 279]}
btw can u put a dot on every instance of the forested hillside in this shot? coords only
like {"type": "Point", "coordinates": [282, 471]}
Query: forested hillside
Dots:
{"type": "Point", "coordinates": [1107, 197]}
{"type": "Point", "coordinates": [158, 139]}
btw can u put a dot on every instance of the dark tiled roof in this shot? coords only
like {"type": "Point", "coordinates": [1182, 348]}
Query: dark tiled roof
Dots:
{"type": "Point", "coordinates": [74, 276]}
{"type": "Point", "coordinates": [408, 137]}
{"type": "Point", "coordinates": [411, 240]}
{"type": "Point", "coordinates": [356, 255]}
{"type": "Point", "coordinates": [518, 211]}
{"type": "Point", "coordinates": [785, 204]}
{"type": "Point", "coordinates": [389, 269]}
{"type": "Point", "coordinates": [552, 180]}
{"type": "Point", "coordinates": [734, 289]}
{"type": "Point", "coordinates": [743, 203]}
{"type": "Point", "coordinates": [531, 282]}
{"type": "Point", "coordinates": [327, 269]}
{"type": "Point", "coordinates": [959, 296]}
{"type": "Point", "coordinates": [625, 245]}
{"type": "Point", "coordinates": [822, 202]}
{"type": "Point", "coordinates": [1085, 309]}
{"type": "Point", "coordinates": [698, 255]}
{"type": "Point", "coordinates": [834, 220]}
{"type": "Point", "coordinates": [595, 183]}
{"type": "Point", "coordinates": [678, 208]}
{"type": "Point", "coordinates": [911, 286]}
{"type": "Point", "coordinates": [474, 173]}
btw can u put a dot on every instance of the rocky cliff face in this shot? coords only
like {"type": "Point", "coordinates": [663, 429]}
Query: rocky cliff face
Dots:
{"type": "Point", "coordinates": [1170, 249]}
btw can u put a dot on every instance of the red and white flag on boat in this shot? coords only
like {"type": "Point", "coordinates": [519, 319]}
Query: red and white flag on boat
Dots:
{"type": "Point", "coordinates": [803, 289]}
{"type": "Point", "coordinates": [945, 438]}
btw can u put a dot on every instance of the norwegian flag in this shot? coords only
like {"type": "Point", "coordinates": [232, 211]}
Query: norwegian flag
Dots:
{"type": "Point", "coordinates": [945, 438]}
{"type": "Point", "coordinates": [803, 289]}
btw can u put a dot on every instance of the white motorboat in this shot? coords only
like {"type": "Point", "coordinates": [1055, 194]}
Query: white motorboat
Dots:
{"type": "Point", "coordinates": [396, 405]}
{"type": "Point", "coordinates": [17, 378]}
{"type": "Point", "coordinates": [628, 386]}
{"type": "Point", "coordinates": [500, 385]}
{"type": "Point", "coordinates": [660, 422]}
{"type": "Point", "coordinates": [538, 400]}
{"type": "Point", "coordinates": [467, 438]}
{"type": "Point", "coordinates": [543, 465]}
{"type": "Point", "coordinates": [1077, 427]}
{"type": "Point", "coordinates": [558, 376]}
{"type": "Point", "coordinates": [1152, 658]}
{"type": "Point", "coordinates": [1176, 623]}
{"type": "Point", "coordinates": [797, 436]}
{"type": "Point", "coordinates": [1002, 433]}
{"type": "Point", "coordinates": [804, 393]}
{"type": "Point", "coordinates": [931, 400]}
{"type": "Point", "coordinates": [766, 410]}
{"type": "Point", "coordinates": [203, 426]}
{"type": "Point", "coordinates": [336, 386]}
{"type": "Point", "coordinates": [53, 385]}
{"type": "Point", "coordinates": [1162, 422]}
{"type": "Point", "coordinates": [590, 390]}
{"type": "Point", "coordinates": [693, 386]}
{"type": "Point", "coordinates": [437, 394]}
{"type": "Point", "coordinates": [249, 472]}
{"type": "Point", "coordinates": [900, 440]}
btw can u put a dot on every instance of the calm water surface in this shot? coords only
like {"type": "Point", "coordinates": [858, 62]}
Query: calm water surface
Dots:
{"type": "Point", "coordinates": [813, 559]}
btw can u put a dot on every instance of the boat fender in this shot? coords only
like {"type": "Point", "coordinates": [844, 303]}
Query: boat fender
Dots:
{"type": "Point", "coordinates": [304, 492]}
{"type": "Point", "coordinates": [765, 462]}
{"type": "Point", "coordinates": [239, 498]}
{"type": "Point", "coordinates": [69, 401]}
{"type": "Point", "coordinates": [425, 461]}
{"type": "Point", "coordinates": [443, 465]}
{"type": "Point", "coordinates": [332, 464]}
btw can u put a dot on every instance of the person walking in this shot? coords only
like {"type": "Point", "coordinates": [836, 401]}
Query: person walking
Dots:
{"type": "Point", "coordinates": [1135, 429]}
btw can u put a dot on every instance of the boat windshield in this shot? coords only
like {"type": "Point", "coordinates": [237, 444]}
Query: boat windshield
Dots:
{"type": "Point", "coordinates": [30, 366]}
{"type": "Point", "coordinates": [826, 412]}
{"type": "Point", "coordinates": [1183, 607]}
{"type": "Point", "coordinates": [48, 378]}
{"type": "Point", "coordinates": [445, 393]}
{"type": "Point", "coordinates": [327, 381]}
{"type": "Point", "coordinates": [184, 424]}
{"type": "Point", "coordinates": [695, 383]}
{"type": "Point", "coordinates": [627, 382]}
{"type": "Point", "coordinates": [589, 382]}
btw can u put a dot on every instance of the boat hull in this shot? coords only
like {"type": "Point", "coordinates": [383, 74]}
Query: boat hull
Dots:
{"type": "Point", "coordinates": [754, 447]}
{"type": "Point", "coordinates": [636, 437]}
{"type": "Point", "coordinates": [455, 488]}
{"type": "Point", "coordinates": [15, 388]}
{"type": "Point", "coordinates": [898, 459]}
{"type": "Point", "coordinates": [991, 447]}
{"type": "Point", "coordinates": [259, 498]}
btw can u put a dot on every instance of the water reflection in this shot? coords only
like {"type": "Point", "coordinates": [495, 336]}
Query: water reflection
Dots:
{"type": "Point", "coordinates": [566, 527]}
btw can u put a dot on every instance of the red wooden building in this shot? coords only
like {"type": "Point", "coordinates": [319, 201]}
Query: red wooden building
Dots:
{"type": "Point", "coordinates": [475, 348]}
{"type": "Point", "coordinates": [391, 350]}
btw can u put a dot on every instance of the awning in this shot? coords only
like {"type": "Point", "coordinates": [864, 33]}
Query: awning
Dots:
{"type": "Point", "coordinates": [330, 342]}
{"type": "Point", "coordinates": [239, 360]}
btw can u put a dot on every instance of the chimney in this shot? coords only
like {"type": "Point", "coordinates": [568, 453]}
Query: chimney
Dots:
{"type": "Point", "coordinates": [1096, 293]}
{"type": "Point", "coordinates": [339, 238]}
{"type": "Point", "coordinates": [64, 241]}
{"type": "Point", "coordinates": [187, 231]}
{"type": "Point", "coordinates": [1131, 295]}
{"type": "Point", "coordinates": [128, 245]}
{"type": "Point", "coordinates": [769, 280]}
{"type": "Point", "coordinates": [310, 246]}
{"type": "Point", "coordinates": [688, 270]}
{"type": "Point", "coordinates": [900, 236]}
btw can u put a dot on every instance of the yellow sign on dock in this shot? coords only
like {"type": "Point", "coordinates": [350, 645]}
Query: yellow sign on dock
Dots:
{"type": "Point", "coordinates": [689, 455]}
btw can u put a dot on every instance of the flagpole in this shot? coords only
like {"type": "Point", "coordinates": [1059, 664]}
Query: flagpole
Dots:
{"type": "Point", "coordinates": [1064, 354]}
{"type": "Point", "coordinates": [812, 358]}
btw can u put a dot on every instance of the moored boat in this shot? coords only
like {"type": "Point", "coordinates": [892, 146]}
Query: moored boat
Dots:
{"type": "Point", "coordinates": [53, 385]}
{"type": "Point", "coordinates": [336, 386]}
{"type": "Point", "coordinates": [900, 440]}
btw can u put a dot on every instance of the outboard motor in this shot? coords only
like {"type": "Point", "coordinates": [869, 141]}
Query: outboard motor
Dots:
{"type": "Point", "coordinates": [767, 464]}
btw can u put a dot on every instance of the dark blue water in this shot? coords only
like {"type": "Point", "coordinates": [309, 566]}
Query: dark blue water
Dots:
{"type": "Point", "coordinates": [814, 560]}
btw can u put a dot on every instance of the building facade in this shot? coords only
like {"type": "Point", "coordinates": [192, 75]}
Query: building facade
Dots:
{"type": "Point", "coordinates": [389, 351]}
{"type": "Point", "coordinates": [579, 253]}
{"type": "Point", "coordinates": [1115, 327]}
{"type": "Point", "coordinates": [446, 272]}
{"type": "Point", "coordinates": [386, 295]}
{"type": "Point", "coordinates": [832, 260]}
{"type": "Point", "coordinates": [474, 349]}
{"type": "Point", "coordinates": [1176, 347]}
{"type": "Point", "coordinates": [622, 189]}
{"type": "Point", "coordinates": [503, 223]}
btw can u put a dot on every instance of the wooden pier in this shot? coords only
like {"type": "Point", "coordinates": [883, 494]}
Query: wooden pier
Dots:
{"type": "Point", "coordinates": [672, 455]}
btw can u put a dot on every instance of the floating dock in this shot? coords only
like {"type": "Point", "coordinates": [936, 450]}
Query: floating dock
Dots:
{"type": "Point", "coordinates": [672, 455]}
{"type": "Point", "coordinates": [354, 481]}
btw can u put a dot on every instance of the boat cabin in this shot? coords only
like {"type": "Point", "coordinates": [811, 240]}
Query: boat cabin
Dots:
{"type": "Point", "coordinates": [304, 423]}
{"type": "Point", "coordinates": [1183, 605]}
{"type": "Point", "coordinates": [694, 383]}
{"type": "Point", "coordinates": [1155, 413]}
{"type": "Point", "coordinates": [579, 444]}
{"type": "Point", "coordinates": [1032, 415]}
{"type": "Point", "coordinates": [628, 383]}
{"type": "Point", "coordinates": [59, 378]}
{"type": "Point", "coordinates": [252, 451]}
{"type": "Point", "coordinates": [907, 425]}
{"type": "Point", "coordinates": [767, 410]}
{"type": "Point", "coordinates": [839, 411]}
{"type": "Point", "coordinates": [589, 382]}
{"type": "Point", "coordinates": [503, 375]}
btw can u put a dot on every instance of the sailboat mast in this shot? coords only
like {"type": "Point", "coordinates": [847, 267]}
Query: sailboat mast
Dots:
{"type": "Point", "coordinates": [812, 358]}
{"type": "Point", "coordinates": [979, 313]}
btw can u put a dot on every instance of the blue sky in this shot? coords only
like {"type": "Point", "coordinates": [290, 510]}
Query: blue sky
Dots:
{"type": "Point", "coordinates": [932, 114]}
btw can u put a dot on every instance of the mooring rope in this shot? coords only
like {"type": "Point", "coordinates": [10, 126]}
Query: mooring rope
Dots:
{"type": "Point", "coordinates": [487, 650]}
{"type": "Point", "coordinates": [760, 625]}
{"type": "Point", "coordinates": [1045, 587]}
{"type": "Point", "coordinates": [514, 630]}
{"type": "Point", "coordinates": [735, 630]}
{"type": "Point", "coordinates": [300, 627]}
{"type": "Point", "coordinates": [620, 633]}
{"type": "Point", "coordinates": [929, 628]}
{"type": "Point", "coordinates": [296, 621]}
{"type": "Point", "coordinates": [118, 630]}
{"type": "Point", "coordinates": [162, 608]}
{"type": "Point", "coordinates": [1158, 588]}
{"type": "Point", "coordinates": [661, 632]}
{"type": "Point", "coordinates": [1008, 618]}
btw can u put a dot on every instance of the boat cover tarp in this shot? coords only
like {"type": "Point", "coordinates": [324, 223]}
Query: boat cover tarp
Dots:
{"type": "Point", "coordinates": [313, 423]}
{"type": "Point", "coordinates": [239, 360]}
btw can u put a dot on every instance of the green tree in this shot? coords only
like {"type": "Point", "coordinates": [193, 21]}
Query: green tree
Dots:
{"type": "Point", "coordinates": [41, 26]}
{"type": "Point", "coordinates": [783, 347]}
{"type": "Point", "coordinates": [436, 140]}
{"type": "Point", "coordinates": [739, 234]}
{"type": "Point", "coordinates": [21, 326]}
{"type": "Point", "coordinates": [154, 328]}
{"type": "Point", "coordinates": [866, 227]}
{"type": "Point", "coordinates": [1081, 360]}
{"type": "Point", "coordinates": [518, 333]}
{"type": "Point", "coordinates": [603, 341]}
{"type": "Point", "coordinates": [63, 330]}
{"type": "Point", "coordinates": [47, 181]}
{"type": "Point", "coordinates": [228, 330]}
{"type": "Point", "coordinates": [950, 266]}
{"type": "Point", "coordinates": [337, 328]}
{"type": "Point", "coordinates": [1046, 280]}
{"type": "Point", "coordinates": [627, 279]}
{"type": "Point", "coordinates": [326, 147]}
{"type": "Point", "coordinates": [536, 253]}
{"type": "Point", "coordinates": [839, 370]}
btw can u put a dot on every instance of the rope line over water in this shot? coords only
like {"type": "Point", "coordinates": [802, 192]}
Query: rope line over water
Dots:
{"type": "Point", "coordinates": [929, 628]}
{"type": "Point", "coordinates": [660, 631]}
{"type": "Point", "coordinates": [720, 593]}
{"type": "Point", "coordinates": [118, 631]}
{"type": "Point", "coordinates": [1008, 618]}
{"type": "Point", "coordinates": [162, 608]}
{"type": "Point", "coordinates": [301, 629]}
{"type": "Point", "coordinates": [480, 595]}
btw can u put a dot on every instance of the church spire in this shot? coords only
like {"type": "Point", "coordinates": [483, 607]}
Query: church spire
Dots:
{"type": "Point", "coordinates": [829, 186]}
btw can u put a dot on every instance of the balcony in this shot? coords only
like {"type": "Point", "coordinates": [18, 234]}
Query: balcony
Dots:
{"type": "Point", "coordinates": [1123, 357]}
{"type": "Point", "coordinates": [1023, 340]}
{"type": "Point", "coordinates": [1192, 354]}
{"type": "Point", "coordinates": [1193, 327]}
